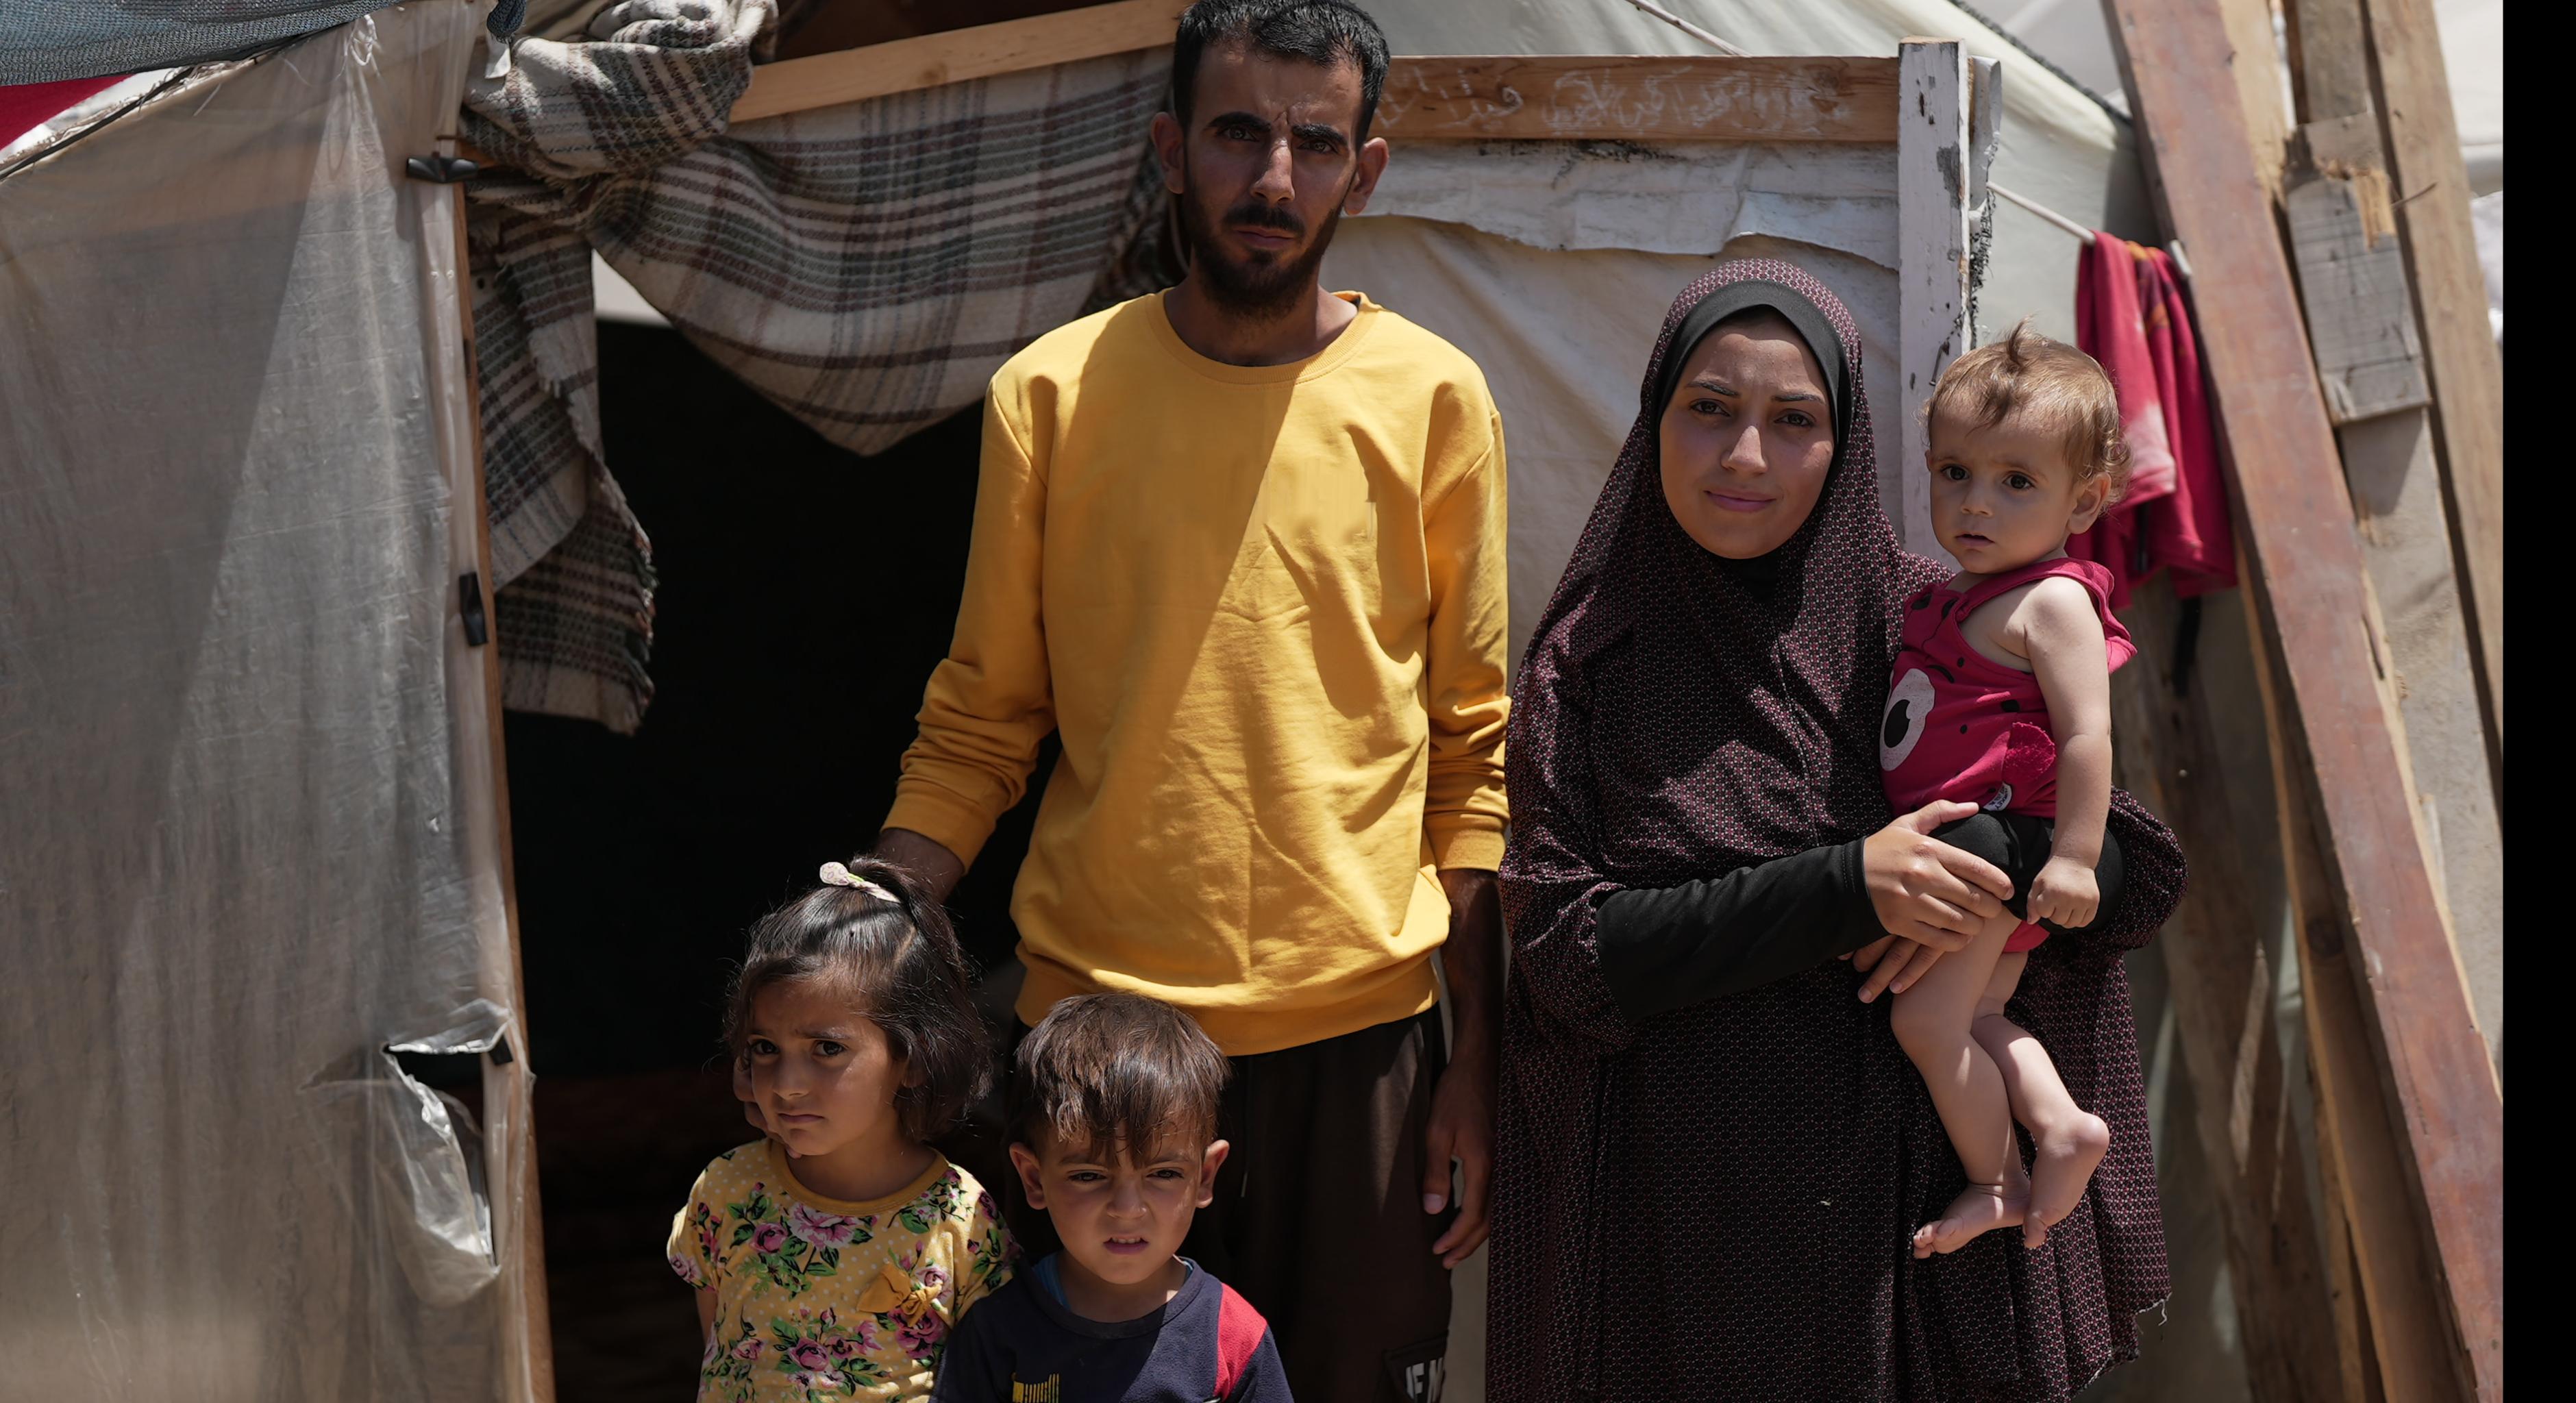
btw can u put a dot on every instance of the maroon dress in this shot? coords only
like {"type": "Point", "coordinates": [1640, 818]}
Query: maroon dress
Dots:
{"type": "Point", "coordinates": [1711, 1156]}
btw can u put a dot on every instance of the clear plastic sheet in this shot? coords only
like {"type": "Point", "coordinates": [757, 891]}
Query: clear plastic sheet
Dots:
{"type": "Point", "coordinates": [248, 830]}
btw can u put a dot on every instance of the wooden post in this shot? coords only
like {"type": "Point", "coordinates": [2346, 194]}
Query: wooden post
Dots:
{"type": "Point", "coordinates": [1932, 161]}
{"type": "Point", "coordinates": [2422, 1053]}
{"type": "Point", "coordinates": [2422, 136]}
{"type": "Point", "coordinates": [510, 1168]}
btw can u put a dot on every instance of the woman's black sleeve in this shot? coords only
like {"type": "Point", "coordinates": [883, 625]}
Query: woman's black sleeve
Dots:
{"type": "Point", "coordinates": [1664, 948]}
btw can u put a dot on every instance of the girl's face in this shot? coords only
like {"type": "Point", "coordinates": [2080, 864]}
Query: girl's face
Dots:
{"type": "Point", "coordinates": [1747, 439]}
{"type": "Point", "coordinates": [822, 1071]}
{"type": "Point", "coordinates": [2003, 495]}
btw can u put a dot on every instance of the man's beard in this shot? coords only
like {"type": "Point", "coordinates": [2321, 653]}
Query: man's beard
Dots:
{"type": "Point", "coordinates": [1258, 289]}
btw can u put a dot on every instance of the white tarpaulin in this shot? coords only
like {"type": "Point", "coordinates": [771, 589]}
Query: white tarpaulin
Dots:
{"type": "Point", "coordinates": [1551, 263]}
{"type": "Point", "coordinates": [249, 846]}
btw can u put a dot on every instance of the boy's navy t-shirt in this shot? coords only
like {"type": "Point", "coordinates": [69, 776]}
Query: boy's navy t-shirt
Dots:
{"type": "Point", "coordinates": [1023, 1345]}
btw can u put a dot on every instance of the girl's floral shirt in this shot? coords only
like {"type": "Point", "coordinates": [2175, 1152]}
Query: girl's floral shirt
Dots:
{"type": "Point", "coordinates": [818, 1299]}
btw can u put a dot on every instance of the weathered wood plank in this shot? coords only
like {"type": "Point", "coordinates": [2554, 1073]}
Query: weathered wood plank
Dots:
{"type": "Point", "coordinates": [1932, 172]}
{"type": "Point", "coordinates": [510, 1146]}
{"type": "Point", "coordinates": [984, 51]}
{"type": "Point", "coordinates": [2352, 281]}
{"type": "Point", "coordinates": [2424, 1050]}
{"type": "Point", "coordinates": [2467, 372]}
{"type": "Point", "coordinates": [1589, 97]}
{"type": "Point", "coordinates": [2410, 1355]}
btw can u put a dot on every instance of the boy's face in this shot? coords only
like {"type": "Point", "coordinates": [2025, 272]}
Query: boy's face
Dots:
{"type": "Point", "coordinates": [1120, 1219]}
{"type": "Point", "coordinates": [2003, 495]}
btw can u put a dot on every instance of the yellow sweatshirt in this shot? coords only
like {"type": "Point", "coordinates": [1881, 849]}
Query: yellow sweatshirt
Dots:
{"type": "Point", "coordinates": [1264, 608]}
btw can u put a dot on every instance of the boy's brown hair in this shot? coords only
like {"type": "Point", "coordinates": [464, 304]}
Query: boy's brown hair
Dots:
{"type": "Point", "coordinates": [1105, 1072]}
{"type": "Point", "coordinates": [2028, 374]}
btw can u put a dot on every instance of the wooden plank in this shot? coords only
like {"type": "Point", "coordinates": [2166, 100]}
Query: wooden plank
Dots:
{"type": "Point", "coordinates": [2467, 371]}
{"type": "Point", "coordinates": [2358, 1146]}
{"type": "Point", "coordinates": [2355, 285]}
{"type": "Point", "coordinates": [1587, 97]}
{"type": "Point", "coordinates": [2424, 1051]}
{"type": "Point", "coordinates": [985, 51]}
{"type": "Point", "coordinates": [518, 1217]}
{"type": "Point", "coordinates": [2258, 86]}
{"type": "Point", "coordinates": [2204, 777]}
{"type": "Point", "coordinates": [1932, 161]}
{"type": "Point", "coordinates": [2352, 281]}
{"type": "Point", "coordinates": [1590, 98]}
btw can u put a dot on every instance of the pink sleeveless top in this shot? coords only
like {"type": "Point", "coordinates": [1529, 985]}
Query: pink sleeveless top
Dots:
{"type": "Point", "coordinates": [1959, 726]}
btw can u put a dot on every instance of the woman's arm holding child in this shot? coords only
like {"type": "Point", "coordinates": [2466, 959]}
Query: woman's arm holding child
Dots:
{"type": "Point", "coordinates": [2062, 636]}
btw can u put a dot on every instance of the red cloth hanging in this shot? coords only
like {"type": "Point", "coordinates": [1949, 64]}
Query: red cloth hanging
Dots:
{"type": "Point", "coordinates": [23, 105]}
{"type": "Point", "coordinates": [2131, 316]}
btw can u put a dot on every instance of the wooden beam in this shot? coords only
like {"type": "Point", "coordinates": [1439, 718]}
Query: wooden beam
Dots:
{"type": "Point", "coordinates": [2413, 93]}
{"type": "Point", "coordinates": [1593, 98]}
{"type": "Point", "coordinates": [2362, 325]}
{"type": "Point", "coordinates": [2425, 1055]}
{"type": "Point", "coordinates": [2395, 1347]}
{"type": "Point", "coordinates": [985, 51]}
{"type": "Point", "coordinates": [1932, 199]}
{"type": "Point", "coordinates": [510, 1148]}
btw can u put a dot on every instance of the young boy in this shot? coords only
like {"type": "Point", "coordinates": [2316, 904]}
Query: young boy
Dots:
{"type": "Point", "coordinates": [1113, 1107]}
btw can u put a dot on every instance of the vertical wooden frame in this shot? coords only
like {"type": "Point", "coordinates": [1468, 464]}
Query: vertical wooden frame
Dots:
{"type": "Point", "coordinates": [509, 1142]}
{"type": "Point", "coordinates": [1933, 173]}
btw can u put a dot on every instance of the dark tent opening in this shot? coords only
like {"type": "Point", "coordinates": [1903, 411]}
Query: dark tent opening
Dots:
{"type": "Point", "coordinates": [804, 595]}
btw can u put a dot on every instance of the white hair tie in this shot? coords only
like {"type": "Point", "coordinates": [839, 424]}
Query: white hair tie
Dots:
{"type": "Point", "coordinates": [836, 875]}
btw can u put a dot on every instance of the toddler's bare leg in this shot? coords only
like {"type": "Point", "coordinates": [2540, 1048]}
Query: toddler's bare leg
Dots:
{"type": "Point", "coordinates": [2068, 1139]}
{"type": "Point", "coordinates": [1933, 1021]}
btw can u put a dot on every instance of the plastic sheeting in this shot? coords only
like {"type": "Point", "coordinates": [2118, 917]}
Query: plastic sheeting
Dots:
{"type": "Point", "coordinates": [250, 837]}
{"type": "Point", "coordinates": [1563, 338]}
{"type": "Point", "coordinates": [2059, 146]}
{"type": "Point", "coordinates": [42, 43]}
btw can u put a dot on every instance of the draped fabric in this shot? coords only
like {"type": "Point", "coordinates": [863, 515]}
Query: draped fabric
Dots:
{"type": "Point", "coordinates": [1716, 1202]}
{"type": "Point", "coordinates": [867, 267]}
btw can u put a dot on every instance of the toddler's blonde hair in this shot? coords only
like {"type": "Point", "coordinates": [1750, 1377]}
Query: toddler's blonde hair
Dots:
{"type": "Point", "coordinates": [2027, 374]}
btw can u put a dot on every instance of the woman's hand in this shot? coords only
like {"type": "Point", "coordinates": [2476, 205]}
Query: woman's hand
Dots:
{"type": "Point", "coordinates": [1925, 890]}
{"type": "Point", "coordinates": [2065, 891]}
{"type": "Point", "coordinates": [1890, 963]}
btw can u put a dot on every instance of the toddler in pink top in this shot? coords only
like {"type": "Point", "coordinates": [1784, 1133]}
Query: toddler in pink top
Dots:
{"type": "Point", "coordinates": [2002, 698]}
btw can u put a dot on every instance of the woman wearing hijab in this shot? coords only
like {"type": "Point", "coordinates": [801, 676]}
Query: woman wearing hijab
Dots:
{"type": "Point", "coordinates": [1712, 1154]}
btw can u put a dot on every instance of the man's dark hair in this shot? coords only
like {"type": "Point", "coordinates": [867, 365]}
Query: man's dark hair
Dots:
{"type": "Point", "coordinates": [1105, 1072]}
{"type": "Point", "coordinates": [1323, 32]}
{"type": "Point", "coordinates": [894, 957]}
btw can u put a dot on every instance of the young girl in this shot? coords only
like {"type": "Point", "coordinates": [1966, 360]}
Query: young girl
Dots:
{"type": "Point", "coordinates": [2002, 699]}
{"type": "Point", "coordinates": [832, 1258]}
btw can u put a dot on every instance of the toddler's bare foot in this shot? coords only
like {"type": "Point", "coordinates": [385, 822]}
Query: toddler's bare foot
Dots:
{"type": "Point", "coordinates": [2064, 1163]}
{"type": "Point", "coordinates": [1979, 1208]}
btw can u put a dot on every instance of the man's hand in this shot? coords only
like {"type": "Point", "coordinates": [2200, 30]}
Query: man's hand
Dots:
{"type": "Point", "coordinates": [1462, 1101]}
{"type": "Point", "coordinates": [935, 870]}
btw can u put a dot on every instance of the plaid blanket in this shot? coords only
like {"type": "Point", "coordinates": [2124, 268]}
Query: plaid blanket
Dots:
{"type": "Point", "coordinates": [866, 267]}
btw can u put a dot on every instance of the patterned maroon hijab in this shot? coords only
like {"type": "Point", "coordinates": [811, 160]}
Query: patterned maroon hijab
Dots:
{"type": "Point", "coordinates": [1714, 1202]}
{"type": "Point", "coordinates": [1784, 659]}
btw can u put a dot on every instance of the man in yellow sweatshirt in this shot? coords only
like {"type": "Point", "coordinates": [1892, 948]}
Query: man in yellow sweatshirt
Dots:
{"type": "Point", "coordinates": [1241, 545]}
